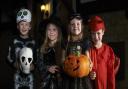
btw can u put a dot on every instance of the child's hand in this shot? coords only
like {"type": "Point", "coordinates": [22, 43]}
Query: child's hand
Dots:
{"type": "Point", "coordinates": [92, 75]}
{"type": "Point", "coordinates": [32, 67]}
{"type": "Point", "coordinates": [16, 65]}
{"type": "Point", "coordinates": [91, 65]}
{"type": "Point", "coordinates": [53, 69]}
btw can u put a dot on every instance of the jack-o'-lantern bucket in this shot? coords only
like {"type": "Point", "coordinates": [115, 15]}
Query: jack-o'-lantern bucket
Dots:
{"type": "Point", "coordinates": [77, 66]}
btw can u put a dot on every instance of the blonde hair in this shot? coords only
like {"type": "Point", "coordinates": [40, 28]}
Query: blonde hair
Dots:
{"type": "Point", "coordinates": [46, 40]}
{"type": "Point", "coordinates": [57, 45]}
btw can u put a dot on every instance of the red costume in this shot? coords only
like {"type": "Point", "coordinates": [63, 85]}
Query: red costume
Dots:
{"type": "Point", "coordinates": [103, 65]}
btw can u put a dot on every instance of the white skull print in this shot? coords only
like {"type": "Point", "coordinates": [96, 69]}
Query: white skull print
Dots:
{"type": "Point", "coordinates": [24, 14]}
{"type": "Point", "coordinates": [26, 58]}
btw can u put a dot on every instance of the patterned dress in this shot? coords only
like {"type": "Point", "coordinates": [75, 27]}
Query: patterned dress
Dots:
{"type": "Point", "coordinates": [49, 80]}
{"type": "Point", "coordinates": [76, 83]}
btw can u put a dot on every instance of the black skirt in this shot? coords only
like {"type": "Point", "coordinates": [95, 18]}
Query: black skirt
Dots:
{"type": "Point", "coordinates": [76, 83]}
{"type": "Point", "coordinates": [51, 81]}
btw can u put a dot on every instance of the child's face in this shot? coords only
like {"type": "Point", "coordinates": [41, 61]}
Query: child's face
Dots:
{"type": "Point", "coordinates": [52, 32]}
{"type": "Point", "coordinates": [75, 26]}
{"type": "Point", "coordinates": [24, 28]}
{"type": "Point", "coordinates": [97, 36]}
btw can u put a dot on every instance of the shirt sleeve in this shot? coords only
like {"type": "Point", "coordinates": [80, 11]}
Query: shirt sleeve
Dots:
{"type": "Point", "coordinates": [86, 45]}
{"type": "Point", "coordinates": [116, 64]}
{"type": "Point", "coordinates": [110, 70]}
{"type": "Point", "coordinates": [41, 66]}
{"type": "Point", "coordinates": [11, 54]}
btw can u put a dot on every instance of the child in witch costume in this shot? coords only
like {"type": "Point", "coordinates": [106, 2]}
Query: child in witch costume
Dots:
{"type": "Point", "coordinates": [23, 39]}
{"type": "Point", "coordinates": [49, 62]}
{"type": "Point", "coordinates": [102, 55]}
{"type": "Point", "coordinates": [76, 41]}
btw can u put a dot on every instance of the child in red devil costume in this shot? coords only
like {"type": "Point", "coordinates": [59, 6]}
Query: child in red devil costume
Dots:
{"type": "Point", "coordinates": [102, 56]}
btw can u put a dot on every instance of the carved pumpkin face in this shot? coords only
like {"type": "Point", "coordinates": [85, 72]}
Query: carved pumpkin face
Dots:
{"type": "Point", "coordinates": [77, 66]}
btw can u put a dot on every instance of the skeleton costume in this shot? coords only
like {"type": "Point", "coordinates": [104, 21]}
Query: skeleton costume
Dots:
{"type": "Point", "coordinates": [18, 47]}
{"type": "Point", "coordinates": [24, 78]}
{"type": "Point", "coordinates": [21, 79]}
{"type": "Point", "coordinates": [14, 47]}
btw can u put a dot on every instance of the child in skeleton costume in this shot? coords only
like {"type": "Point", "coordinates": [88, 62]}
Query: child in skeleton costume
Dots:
{"type": "Point", "coordinates": [76, 41]}
{"type": "Point", "coordinates": [49, 63]}
{"type": "Point", "coordinates": [23, 39]}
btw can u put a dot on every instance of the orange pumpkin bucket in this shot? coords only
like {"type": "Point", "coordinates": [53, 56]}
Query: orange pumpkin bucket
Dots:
{"type": "Point", "coordinates": [77, 66]}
